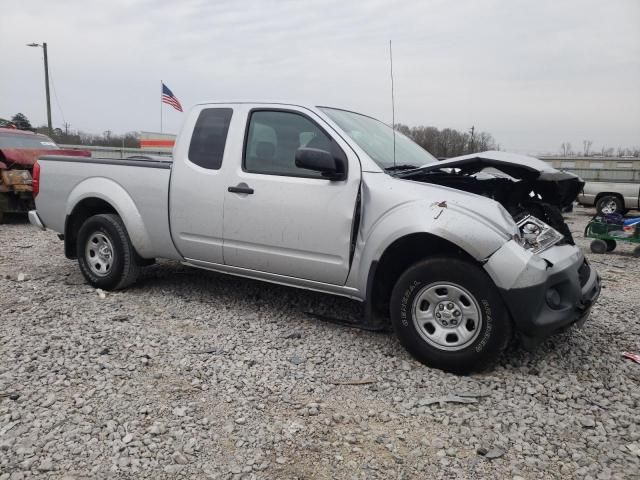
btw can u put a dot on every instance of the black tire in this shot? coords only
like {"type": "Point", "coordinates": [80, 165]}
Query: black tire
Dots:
{"type": "Point", "coordinates": [613, 204]}
{"type": "Point", "coordinates": [493, 333]}
{"type": "Point", "coordinates": [636, 252]}
{"type": "Point", "coordinates": [124, 269]}
{"type": "Point", "coordinates": [599, 246]}
{"type": "Point", "coordinates": [611, 245]}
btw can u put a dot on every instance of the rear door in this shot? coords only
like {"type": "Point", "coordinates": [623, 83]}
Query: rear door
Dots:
{"type": "Point", "coordinates": [198, 187]}
{"type": "Point", "coordinates": [282, 219]}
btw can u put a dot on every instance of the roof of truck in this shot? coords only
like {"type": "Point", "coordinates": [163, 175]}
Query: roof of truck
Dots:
{"type": "Point", "coordinates": [15, 131]}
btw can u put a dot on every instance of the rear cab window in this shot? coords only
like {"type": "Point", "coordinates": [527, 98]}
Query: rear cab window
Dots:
{"type": "Point", "coordinates": [210, 137]}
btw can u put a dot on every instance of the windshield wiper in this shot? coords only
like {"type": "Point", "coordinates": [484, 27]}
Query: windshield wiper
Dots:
{"type": "Point", "coordinates": [402, 166]}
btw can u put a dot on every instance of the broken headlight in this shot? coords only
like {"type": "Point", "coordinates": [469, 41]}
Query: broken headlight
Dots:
{"type": "Point", "coordinates": [535, 235]}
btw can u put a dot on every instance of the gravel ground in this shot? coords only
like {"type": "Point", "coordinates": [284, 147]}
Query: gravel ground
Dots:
{"type": "Point", "coordinates": [199, 375]}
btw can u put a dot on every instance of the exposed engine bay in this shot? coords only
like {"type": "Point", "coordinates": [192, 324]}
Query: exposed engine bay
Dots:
{"type": "Point", "coordinates": [524, 186]}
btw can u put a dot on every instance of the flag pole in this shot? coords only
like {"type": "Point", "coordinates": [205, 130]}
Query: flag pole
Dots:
{"type": "Point", "coordinates": [160, 106]}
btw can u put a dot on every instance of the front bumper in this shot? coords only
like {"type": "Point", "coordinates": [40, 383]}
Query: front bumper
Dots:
{"type": "Point", "coordinates": [35, 220]}
{"type": "Point", "coordinates": [548, 292]}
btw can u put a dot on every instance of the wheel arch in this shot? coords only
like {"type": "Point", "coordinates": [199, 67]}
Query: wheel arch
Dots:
{"type": "Point", "coordinates": [604, 194]}
{"type": "Point", "coordinates": [395, 260]}
{"type": "Point", "coordinates": [84, 209]}
{"type": "Point", "coordinates": [101, 195]}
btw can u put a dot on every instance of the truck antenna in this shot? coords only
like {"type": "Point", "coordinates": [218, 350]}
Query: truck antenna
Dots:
{"type": "Point", "coordinates": [393, 105]}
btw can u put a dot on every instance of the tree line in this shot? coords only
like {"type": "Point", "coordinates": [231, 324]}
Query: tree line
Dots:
{"type": "Point", "coordinates": [67, 136]}
{"type": "Point", "coordinates": [449, 142]}
{"type": "Point", "coordinates": [445, 143]}
{"type": "Point", "coordinates": [566, 150]}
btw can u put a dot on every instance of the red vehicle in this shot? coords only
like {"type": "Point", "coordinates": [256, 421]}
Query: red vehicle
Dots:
{"type": "Point", "coordinates": [19, 150]}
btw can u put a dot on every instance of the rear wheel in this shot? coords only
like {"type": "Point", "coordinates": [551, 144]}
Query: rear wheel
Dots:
{"type": "Point", "coordinates": [611, 245]}
{"type": "Point", "coordinates": [610, 204]}
{"type": "Point", "coordinates": [105, 254]}
{"type": "Point", "coordinates": [599, 246]}
{"type": "Point", "coordinates": [448, 314]}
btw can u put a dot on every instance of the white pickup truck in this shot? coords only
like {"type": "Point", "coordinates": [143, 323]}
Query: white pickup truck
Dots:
{"type": "Point", "coordinates": [458, 256]}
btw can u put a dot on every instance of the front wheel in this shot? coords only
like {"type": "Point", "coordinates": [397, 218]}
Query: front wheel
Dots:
{"type": "Point", "coordinates": [105, 254]}
{"type": "Point", "coordinates": [448, 314]}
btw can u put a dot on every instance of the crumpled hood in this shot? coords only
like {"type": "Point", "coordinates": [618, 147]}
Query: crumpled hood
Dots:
{"type": "Point", "coordinates": [516, 165]}
{"type": "Point", "coordinates": [564, 185]}
{"type": "Point", "coordinates": [28, 156]}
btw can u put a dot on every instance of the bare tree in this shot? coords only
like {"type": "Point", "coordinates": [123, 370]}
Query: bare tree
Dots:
{"type": "Point", "coordinates": [565, 149]}
{"type": "Point", "coordinates": [108, 139]}
{"type": "Point", "coordinates": [586, 146]}
{"type": "Point", "coordinates": [449, 142]}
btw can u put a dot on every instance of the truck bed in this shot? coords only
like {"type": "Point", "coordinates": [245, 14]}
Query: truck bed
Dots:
{"type": "Point", "coordinates": [137, 187]}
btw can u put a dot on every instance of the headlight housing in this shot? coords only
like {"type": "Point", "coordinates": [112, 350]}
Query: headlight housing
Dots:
{"type": "Point", "coordinates": [535, 235]}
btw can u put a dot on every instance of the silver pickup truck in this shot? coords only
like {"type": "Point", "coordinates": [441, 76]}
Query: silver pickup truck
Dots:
{"type": "Point", "coordinates": [611, 197]}
{"type": "Point", "coordinates": [458, 256]}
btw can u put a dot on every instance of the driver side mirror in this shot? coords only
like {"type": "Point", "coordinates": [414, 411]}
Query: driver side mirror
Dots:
{"type": "Point", "coordinates": [321, 161]}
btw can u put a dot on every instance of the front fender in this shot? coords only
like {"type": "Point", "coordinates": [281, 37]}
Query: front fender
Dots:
{"type": "Point", "coordinates": [114, 194]}
{"type": "Point", "coordinates": [477, 235]}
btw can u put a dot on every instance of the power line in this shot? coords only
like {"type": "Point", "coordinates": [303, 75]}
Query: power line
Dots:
{"type": "Point", "coordinates": [55, 95]}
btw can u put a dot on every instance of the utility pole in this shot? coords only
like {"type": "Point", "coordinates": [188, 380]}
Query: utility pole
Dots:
{"type": "Point", "coordinates": [46, 82]}
{"type": "Point", "coordinates": [66, 128]}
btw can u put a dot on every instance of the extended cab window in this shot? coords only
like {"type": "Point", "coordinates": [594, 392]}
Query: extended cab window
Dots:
{"type": "Point", "coordinates": [274, 137]}
{"type": "Point", "coordinates": [209, 137]}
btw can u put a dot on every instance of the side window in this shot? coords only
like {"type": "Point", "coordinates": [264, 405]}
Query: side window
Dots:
{"type": "Point", "coordinates": [209, 137]}
{"type": "Point", "coordinates": [274, 137]}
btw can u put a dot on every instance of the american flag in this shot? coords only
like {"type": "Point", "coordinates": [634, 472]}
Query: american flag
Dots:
{"type": "Point", "coordinates": [169, 98]}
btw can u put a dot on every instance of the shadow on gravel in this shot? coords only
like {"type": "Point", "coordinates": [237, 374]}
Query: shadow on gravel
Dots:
{"type": "Point", "coordinates": [15, 219]}
{"type": "Point", "coordinates": [192, 284]}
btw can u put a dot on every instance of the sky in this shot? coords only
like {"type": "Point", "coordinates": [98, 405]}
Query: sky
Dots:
{"type": "Point", "coordinates": [533, 73]}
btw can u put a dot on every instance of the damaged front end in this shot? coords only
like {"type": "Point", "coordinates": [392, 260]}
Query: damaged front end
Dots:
{"type": "Point", "coordinates": [526, 187]}
{"type": "Point", "coordinates": [15, 190]}
{"type": "Point", "coordinates": [19, 151]}
{"type": "Point", "coordinates": [544, 280]}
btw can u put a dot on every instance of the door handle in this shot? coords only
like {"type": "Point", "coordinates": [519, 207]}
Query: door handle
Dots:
{"type": "Point", "coordinates": [241, 188]}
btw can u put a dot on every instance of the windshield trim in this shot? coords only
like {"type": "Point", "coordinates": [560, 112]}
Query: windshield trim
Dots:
{"type": "Point", "coordinates": [353, 111]}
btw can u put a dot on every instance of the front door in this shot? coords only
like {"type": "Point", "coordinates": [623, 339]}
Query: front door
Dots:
{"type": "Point", "coordinates": [282, 219]}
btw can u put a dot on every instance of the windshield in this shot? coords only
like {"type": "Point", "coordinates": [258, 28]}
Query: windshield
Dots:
{"type": "Point", "coordinates": [376, 139]}
{"type": "Point", "coordinates": [18, 140]}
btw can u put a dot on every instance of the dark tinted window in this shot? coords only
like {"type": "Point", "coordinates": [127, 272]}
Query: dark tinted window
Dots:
{"type": "Point", "coordinates": [209, 137]}
{"type": "Point", "coordinates": [273, 139]}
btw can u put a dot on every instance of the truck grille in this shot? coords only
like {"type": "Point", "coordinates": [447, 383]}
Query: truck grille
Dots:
{"type": "Point", "coordinates": [584, 272]}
